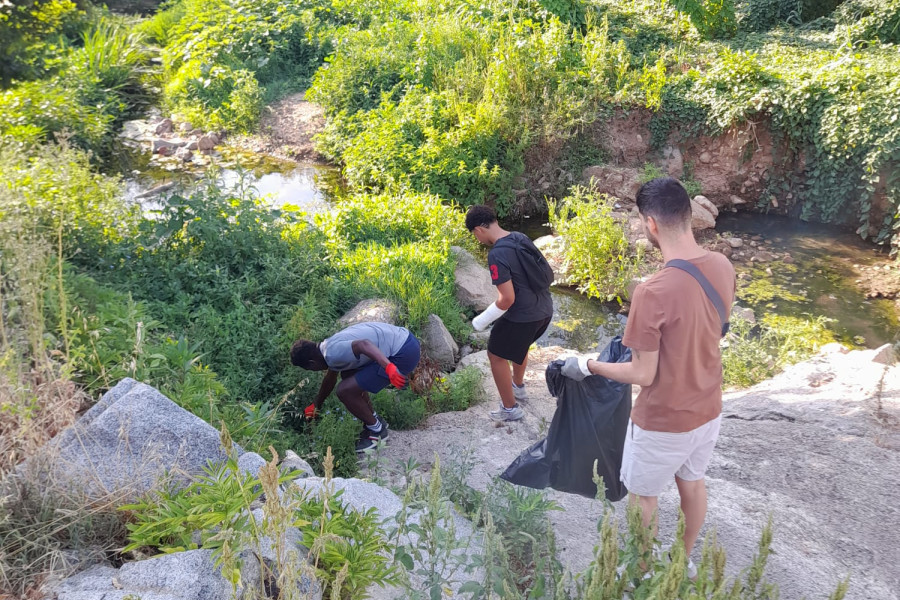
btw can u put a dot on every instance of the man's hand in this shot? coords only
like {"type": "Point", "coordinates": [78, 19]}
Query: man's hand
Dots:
{"type": "Point", "coordinates": [396, 377]}
{"type": "Point", "coordinates": [311, 412]}
{"type": "Point", "coordinates": [576, 368]}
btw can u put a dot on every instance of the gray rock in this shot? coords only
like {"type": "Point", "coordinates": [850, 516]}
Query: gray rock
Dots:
{"type": "Point", "coordinates": [438, 344]}
{"type": "Point", "coordinates": [192, 145]}
{"type": "Point", "coordinates": [735, 242]}
{"type": "Point", "coordinates": [375, 309]}
{"type": "Point", "coordinates": [644, 244]}
{"type": "Point", "coordinates": [184, 154]}
{"type": "Point", "coordinates": [701, 218]}
{"type": "Point", "coordinates": [250, 463]}
{"type": "Point", "coordinates": [705, 157]}
{"type": "Point", "coordinates": [185, 127]}
{"type": "Point", "coordinates": [465, 351]}
{"type": "Point", "coordinates": [620, 182]}
{"type": "Point", "coordinates": [473, 281]}
{"type": "Point", "coordinates": [196, 132]}
{"type": "Point", "coordinates": [553, 247]}
{"type": "Point", "coordinates": [206, 143]}
{"type": "Point", "coordinates": [292, 462]}
{"type": "Point", "coordinates": [167, 147]}
{"type": "Point", "coordinates": [884, 355]}
{"type": "Point", "coordinates": [672, 162]}
{"type": "Point", "coordinates": [129, 441]}
{"type": "Point", "coordinates": [292, 543]}
{"type": "Point", "coordinates": [357, 494]}
{"type": "Point", "coordinates": [743, 313]}
{"type": "Point", "coordinates": [164, 126]}
{"type": "Point", "coordinates": [736, 200]}
{"type": "Point", "coordinates": [707, 204]}
{"type": "Point", "coordinates": [190, 575]}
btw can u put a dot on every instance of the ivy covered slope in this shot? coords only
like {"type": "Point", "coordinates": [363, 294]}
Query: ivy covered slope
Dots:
{"type": "Point", "coordinates": [453, 97]}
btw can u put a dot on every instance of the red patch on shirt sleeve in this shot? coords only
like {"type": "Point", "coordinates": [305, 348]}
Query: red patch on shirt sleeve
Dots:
{"type": "Point", "coordinates": [494, 274]}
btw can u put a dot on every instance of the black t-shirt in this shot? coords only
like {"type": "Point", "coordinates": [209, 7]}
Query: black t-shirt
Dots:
{"type": "Point", "coordinates": [504, 264]}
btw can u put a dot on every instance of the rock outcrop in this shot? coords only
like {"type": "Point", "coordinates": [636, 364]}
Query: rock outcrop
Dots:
{"type": "Point", "coordinates": [129, 442]}
{"type": "Point", "coordinates": [375, 309]}
{"type": "Point", "coordinates": [438, 344]}
{"type": "Point", "coordinates": [473, 281]}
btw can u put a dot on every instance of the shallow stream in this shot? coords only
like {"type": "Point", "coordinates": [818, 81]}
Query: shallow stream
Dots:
{"type": "Point", "coordinates": [821, 280]}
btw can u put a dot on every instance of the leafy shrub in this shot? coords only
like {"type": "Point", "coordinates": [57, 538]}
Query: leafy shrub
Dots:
{"type": "Point", "coordinates": [712, 18]}
{"type": "Point", "coordinates": [215, 96]}
{"type": "Point", "coordinates": [597, 253]}
{"type": "Point", "coordinates": [457, 391]}
{"type": "Point", "coordinates": [401, 409]}
{"type": "Point", "coordinates": [32, 32]}
{"type": "Point", "coordinates": [867, 20]}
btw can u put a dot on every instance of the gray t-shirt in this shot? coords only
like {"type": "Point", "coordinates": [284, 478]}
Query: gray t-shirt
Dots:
{"type": "Point", "coordinates": [339, 354]}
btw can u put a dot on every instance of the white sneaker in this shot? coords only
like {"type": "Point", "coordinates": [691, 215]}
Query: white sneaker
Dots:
{"type": "Point", "coordinates": [519, 392]}
{"type": "Point", "coordinates": [513, 414]}
{"type": "Point", "coordinates": [691, 570]}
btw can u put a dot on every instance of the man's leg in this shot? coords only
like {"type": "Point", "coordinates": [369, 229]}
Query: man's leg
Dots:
{"type": "Point", "coordinates": [502, 379]}
{"type": "Point", "coordinates": [518, 372]}
{"type": "Point", "coordinates": [356, 400]}
{"type": "Point", "coordinates": [693, 505]}
{"type": "Point", "coordinates": [649, 507]}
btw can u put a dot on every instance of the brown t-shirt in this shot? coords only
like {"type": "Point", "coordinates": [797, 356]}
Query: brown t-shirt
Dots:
{"type": "Point", "coordinates": [671, 313]}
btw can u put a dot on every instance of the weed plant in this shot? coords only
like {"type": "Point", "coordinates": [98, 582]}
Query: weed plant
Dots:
{"type": "Point", "coordinates": [751, 354]}
{"type": "Point", "coordinates": [599, 259]}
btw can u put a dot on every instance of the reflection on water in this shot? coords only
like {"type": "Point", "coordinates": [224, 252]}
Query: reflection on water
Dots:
{"type": "Point", "coordinates": [821, 280]}
{"type": "Point", "coordinates": [274, 181]}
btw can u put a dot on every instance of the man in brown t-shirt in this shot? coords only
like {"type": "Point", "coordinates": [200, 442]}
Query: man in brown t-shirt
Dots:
{"type": "Point", "coordinates": [673, 331]}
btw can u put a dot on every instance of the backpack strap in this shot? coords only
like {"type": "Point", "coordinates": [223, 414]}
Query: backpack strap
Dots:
{"type": "Point", "coordinates": [708, 288]}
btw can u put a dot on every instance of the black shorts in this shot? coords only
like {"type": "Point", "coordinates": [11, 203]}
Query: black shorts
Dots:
{"type": "Point", "coordinates": [511, 340]}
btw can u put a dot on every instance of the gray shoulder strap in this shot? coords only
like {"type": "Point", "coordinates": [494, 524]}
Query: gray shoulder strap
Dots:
{"type": "Point", "coordinates": [708, 288]}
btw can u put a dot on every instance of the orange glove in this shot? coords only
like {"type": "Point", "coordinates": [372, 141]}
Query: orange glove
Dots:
{"type": "Point", "coordinates": [397, 378]}
{"type": "Point", "coordinates": [310, 412]}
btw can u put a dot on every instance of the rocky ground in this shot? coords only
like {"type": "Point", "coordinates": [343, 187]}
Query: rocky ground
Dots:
{"type": "Point", "coordinates": [286, 130]}
{"type": "Point", "coordinates": [816, 448]}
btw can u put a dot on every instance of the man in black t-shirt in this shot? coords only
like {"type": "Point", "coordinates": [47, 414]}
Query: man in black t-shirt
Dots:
{"type": "Point", "coordinates": [522, 311]}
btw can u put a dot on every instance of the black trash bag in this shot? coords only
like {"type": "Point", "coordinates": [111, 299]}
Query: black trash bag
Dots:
{"type": "Point", "coordinates": [589, 425]}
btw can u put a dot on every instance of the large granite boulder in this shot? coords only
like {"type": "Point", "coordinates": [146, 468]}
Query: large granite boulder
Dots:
{"type": "Point", "coordinates": [128, 442]}
{"type": "Point", "coordinates": [701, 217]}
{"type": "Point", "coordinates": [378, 310]}
{"type": "Point", "coordinates": [190, 575]}
{"type": "Point", "coordinates": [438, 344]}
{"type": "Point", "coordinates": [473, 281]}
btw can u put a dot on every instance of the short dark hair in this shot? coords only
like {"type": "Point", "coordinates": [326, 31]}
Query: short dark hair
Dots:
{"type": "Point", "coordinates": [666, 200]}
{"type": "Point", "coordinates": [306, 354]}
{"type": "Point", "coordinates": [480, 216]}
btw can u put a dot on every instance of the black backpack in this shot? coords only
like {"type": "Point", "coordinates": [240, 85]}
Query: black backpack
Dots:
{"type": "Point", "coordinates": [537, 270]}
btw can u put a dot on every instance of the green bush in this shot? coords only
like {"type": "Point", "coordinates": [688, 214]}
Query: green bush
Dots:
{"type": "Point", "coordinates": [215, 96]}
{"type": "Point", "coordinates": [457, 391]}
{"type": "Point", "coordinates": [33, 33]}
{"type": "Point", "coordinates": [401, 409]}
{"type": "Point", "coordinates": [599, 260]}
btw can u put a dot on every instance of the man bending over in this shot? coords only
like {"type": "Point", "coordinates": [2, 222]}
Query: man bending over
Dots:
{"type": "Point", "coordinates": [368, 357]}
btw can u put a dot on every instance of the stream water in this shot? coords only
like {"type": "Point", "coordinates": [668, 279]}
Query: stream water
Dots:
{"type": "Point", "coordinates": [820, 282]}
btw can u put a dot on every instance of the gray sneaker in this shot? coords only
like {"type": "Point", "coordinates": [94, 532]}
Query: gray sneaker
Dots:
{"type": "Point", "coordinates": [520, 393]}
{"type": "Point", "coordinates": [515, 414]}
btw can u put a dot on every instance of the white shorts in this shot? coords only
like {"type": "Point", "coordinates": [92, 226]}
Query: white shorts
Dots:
{"type": "Point", "coordinates": [652, 458]}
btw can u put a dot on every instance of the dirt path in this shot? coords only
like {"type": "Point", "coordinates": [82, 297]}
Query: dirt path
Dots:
{"type": "Point", "coordinates": [286, 130]}
{"type": "Point", "coordinates": [816, 447]}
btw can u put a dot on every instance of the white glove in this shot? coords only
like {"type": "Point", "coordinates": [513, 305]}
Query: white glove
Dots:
{"type": "Point", "coordinates": [576, 368]}
{"type": "Point", "coordinates": [491, 314]}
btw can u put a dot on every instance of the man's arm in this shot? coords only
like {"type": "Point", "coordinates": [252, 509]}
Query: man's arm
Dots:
{"type": "Point", "coordinates": [371, 350]}
{"type": "Point", "coordinates": [328, 383]}
{"type": "Point", "coordinates": [641, 370]}
{"type": "Point", "coordinates": [506, 295]}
